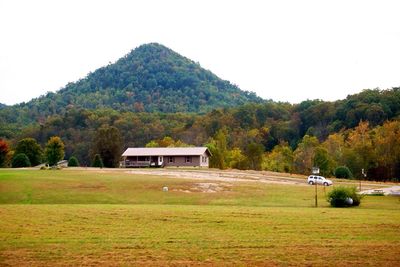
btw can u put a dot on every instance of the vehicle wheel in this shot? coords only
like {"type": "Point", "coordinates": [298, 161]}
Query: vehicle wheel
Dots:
{"type": "Point", "coordinates": [325, 184]}
{"type": "Point", "coordinates": [311, 182]}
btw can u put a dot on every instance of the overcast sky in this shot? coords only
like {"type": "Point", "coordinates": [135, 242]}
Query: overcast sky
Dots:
{"type": "Point", "coordinates": [282, 50]}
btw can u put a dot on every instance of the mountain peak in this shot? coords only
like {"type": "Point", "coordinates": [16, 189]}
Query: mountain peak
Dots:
{"type": "Point", "coordinates": [151, 78]}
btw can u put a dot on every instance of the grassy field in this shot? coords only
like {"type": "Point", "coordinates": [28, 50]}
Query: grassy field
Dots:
{"type": "Point", "coordinates": [71, 217]}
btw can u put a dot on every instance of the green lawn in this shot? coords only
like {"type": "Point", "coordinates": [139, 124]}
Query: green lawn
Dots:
{"type": "Point", "coordinates": [73, 217]}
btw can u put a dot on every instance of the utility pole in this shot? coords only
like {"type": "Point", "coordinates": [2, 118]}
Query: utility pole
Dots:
{"type": "Point", "coordinates": [316, 195]}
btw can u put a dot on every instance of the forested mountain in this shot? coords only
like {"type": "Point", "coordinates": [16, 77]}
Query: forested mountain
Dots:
{"type": "Point", "coordinates": [153, 93]}
{"type": "Point", "coordinates": [151, 78]}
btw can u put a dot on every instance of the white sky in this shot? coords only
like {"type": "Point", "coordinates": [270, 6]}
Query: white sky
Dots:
{"type": "Point", "coordinates": [282, 50]}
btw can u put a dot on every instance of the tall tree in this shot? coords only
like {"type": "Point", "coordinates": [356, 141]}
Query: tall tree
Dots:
{"type": "Point", "coordinates": [323, 161]}
{"type": "Point", "coordinates": [237, 160]}
{"type": "Point", "coordinates": [108, 144]}
{"type": "Point", "coordinates": [54, 150]}
{"type": "Point", "coordinates": [31, 149]}
{"type": "Point", "coordinates": [254, 153]}
{"type": "Point", "coordinates": [304, 154]}
{"type": "Point", "coordinates": [360, 144]}
{"type": "Point", "coordinates": [387, 146]}
{"type": "Point", "coordinates": [218, 149]}
{"type": "Point", "coordinates": [280, 159]}
{"type": "Point", "coordinates": [335, 145]}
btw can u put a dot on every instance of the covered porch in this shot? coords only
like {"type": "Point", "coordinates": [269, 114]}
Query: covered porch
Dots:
{"type": "Point", "coordinates": [142, 161]}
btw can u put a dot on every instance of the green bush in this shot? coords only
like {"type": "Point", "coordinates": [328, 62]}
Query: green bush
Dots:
{"type": "Point", "coordinates": [355, 196]}
{"type": "Point", "coordinates": [20, 160]}
{"type": "Point", "coordinates": [343, 172]}
{"type": "Point", "coordinates": [344, 197]}
{"type": "Point", "coordinates": [97, 162]}
{"type": "Point", "coordinates": [73, 162]}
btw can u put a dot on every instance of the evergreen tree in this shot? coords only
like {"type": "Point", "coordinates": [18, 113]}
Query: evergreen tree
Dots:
{"type": "Point", "coordinates": [73, 162]}
{"type": "Point", "coordinates": [97, 162]}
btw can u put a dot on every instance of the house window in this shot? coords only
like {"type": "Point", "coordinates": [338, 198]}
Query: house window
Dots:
{"type": "Point", "coordinates": [188, 159]}
{"type": "Point", "coordinates": [171, 159]}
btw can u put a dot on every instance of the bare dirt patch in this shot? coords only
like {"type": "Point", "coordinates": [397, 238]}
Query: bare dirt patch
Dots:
{"type": "Point", "coordinates": [225, 176]}
{"type": "Point", "coordinates": [231, 176]}
{"type": "Point", "coordinates": [206, 188]}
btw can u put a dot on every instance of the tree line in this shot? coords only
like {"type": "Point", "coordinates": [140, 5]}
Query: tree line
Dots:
{"type": "Point", "coordinates": [105, 151]}
{"type": "Point", "coordinates": [373, 151]}
{"type": "Point", "coordinates": [270, 136]}
{"type": "Point", "coordinates": [363, 150]}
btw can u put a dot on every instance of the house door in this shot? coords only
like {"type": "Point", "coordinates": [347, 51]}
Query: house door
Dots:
{"type": "Point", "coordinates": [160, 160]}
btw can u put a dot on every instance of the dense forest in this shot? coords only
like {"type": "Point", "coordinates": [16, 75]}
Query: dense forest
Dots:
{"type": "Point", "coordinates": [153, 96]}
{"type": "Point", "coordinates": [360, 132]}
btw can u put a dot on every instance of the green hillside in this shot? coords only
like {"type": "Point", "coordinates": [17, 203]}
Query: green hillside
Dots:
{"type": "Point", "coordinates": [151, 78]}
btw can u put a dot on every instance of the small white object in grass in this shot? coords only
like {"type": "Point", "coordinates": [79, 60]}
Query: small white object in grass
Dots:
{"type": "Point", "coordinates": [165, 189]}
{"type": "Point", "coordinates": [349, 201]}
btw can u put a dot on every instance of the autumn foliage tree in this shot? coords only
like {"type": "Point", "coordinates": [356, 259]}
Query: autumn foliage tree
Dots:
{"type": "Point", "coordinates": [280, 159]}
{"type": "Point", "coordinates": [304, 154]}
{"type": "Point", "coordinates": [387, 146]}
{"type": "Point", "coordinates": [218, 149]}
{"type": "Point", "coordinates": [167, 141]}
{"type": "Point", "coordinates": [360, 152]}
{"type": "Point", "coordinates": [4, 149]}
{"type": "Point", "coordinates": [54, 150]}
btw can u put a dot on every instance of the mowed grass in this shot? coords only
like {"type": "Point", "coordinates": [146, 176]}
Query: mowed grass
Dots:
{"type": "Point", "coordinates": [50, 218]}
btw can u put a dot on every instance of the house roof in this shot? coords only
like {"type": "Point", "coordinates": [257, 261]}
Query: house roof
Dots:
{"type": "Point", "coordinates": [166, 151]}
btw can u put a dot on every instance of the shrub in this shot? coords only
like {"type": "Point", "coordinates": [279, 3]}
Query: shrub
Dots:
{"type": "Point", "coordinates": [97, 162]}
{"type": "Point", "coordinates": [344, 197]}
{"type": "Point", "coordinates": [20, 160]}
{"type": "Point", "coordinates": [343, 172]}
{"type": "Point", "coordinates": [356, 197]}
{"type": "Point", "coordinates": [73, 162]}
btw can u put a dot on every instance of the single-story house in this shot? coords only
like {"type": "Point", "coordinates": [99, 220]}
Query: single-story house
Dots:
{"type": "Point", "coordinates": [166, 156]}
